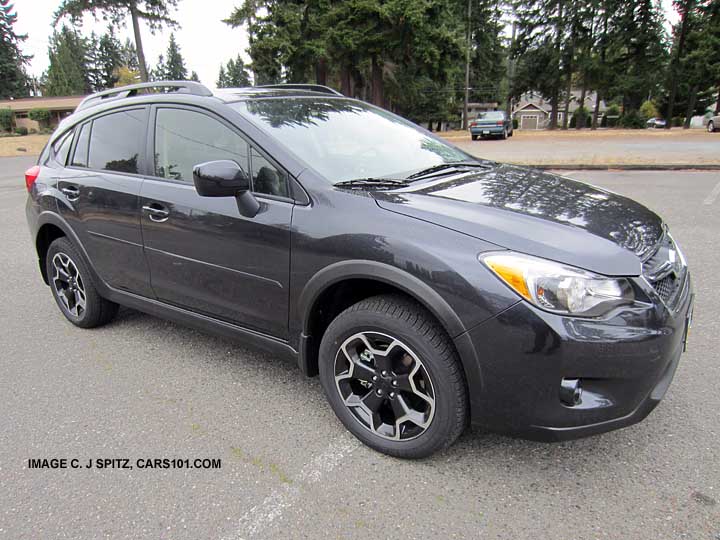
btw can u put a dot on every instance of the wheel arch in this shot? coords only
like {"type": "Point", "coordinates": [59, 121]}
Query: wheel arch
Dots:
{"type": "Point", "coordinates": [342, 284]}
{"type": "Point", "coordinates": [51, 227]}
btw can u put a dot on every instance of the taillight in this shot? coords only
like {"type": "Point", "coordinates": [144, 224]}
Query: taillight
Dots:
{"type": "Point", "coordinates": [31, 175]}
{"type": "Point", "coordinates": [499, 123]}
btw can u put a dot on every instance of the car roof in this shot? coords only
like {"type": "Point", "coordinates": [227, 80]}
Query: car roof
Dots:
{"type": "Point", "coordinates": [197, 89]}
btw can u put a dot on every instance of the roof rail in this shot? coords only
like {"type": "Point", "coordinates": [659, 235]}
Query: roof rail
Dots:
{"type": "Point", "coordinates": [299, 86]}
{"type": "Point", "coordinates": [186, 87]}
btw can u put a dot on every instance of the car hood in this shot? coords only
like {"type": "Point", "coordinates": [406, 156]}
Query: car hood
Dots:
{"type": "Point", "coordinates": [537, 213]}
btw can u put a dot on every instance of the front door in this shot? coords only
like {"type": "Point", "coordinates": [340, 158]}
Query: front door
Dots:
{"type": "Point", "coordinates": [100, 200]}
{"type": "Point", "coordinates": [204, 255]}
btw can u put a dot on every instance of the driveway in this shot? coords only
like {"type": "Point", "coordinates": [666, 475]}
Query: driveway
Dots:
{"type": "Point", "coordinates": [143, 388]}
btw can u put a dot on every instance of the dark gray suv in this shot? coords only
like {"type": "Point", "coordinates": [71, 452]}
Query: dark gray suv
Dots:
{"type": "Point", "coordinates": [427, 288]}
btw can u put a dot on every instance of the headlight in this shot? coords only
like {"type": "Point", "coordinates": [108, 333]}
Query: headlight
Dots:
{"type": "Point", "coordinates": [559, 288]}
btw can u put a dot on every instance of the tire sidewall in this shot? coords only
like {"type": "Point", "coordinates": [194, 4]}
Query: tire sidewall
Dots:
{"type": "Point", "coordinates": [348, 324]}
{"type": "Point", "coordinates": [62, 245]}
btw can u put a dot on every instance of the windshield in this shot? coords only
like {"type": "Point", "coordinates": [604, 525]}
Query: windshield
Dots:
{"type": "Point", "coordinates": [345, 139]}
{"type": "Point", "coordinates": [492, 115]}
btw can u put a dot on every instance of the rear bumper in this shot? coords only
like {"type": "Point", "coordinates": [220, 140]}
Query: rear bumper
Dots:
{"type": "Point", "coordinates": [489, 130]}
{"type": "Point", "coordinates": [625, 365]}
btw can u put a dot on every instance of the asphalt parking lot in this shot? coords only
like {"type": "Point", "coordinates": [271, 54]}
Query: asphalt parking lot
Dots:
{"type": "Point", "coordinates": [144, 388]}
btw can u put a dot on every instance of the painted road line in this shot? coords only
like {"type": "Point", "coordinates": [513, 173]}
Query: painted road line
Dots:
{"type": "Point", "coordinates": [713, 194]}
{"type": "Point", "coordinates": [263, 516]}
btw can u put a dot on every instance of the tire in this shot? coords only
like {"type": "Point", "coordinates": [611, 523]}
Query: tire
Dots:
{"type": "Point", "coordinates": [512, 132]}
{"type": "Point", "coordinates": [416, 344]}
{"type": "Point", "coordinates": [474, 137]}
{"type": "Point", "coordinates": [504, 134]}
{"type": "Point", "coordinates": [711, 126]}
{"type": "Point", "coordinates": [70, 278]}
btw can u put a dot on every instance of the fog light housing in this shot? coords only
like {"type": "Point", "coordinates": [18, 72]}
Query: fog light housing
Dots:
{"type": "Point", "coordinates": [571, 392]}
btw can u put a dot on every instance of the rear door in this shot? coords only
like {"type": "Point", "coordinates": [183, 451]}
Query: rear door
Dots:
{"type": "Point", "coordinates": [204, 255]}
{"type": "Point", "coordinates": [100, 191]}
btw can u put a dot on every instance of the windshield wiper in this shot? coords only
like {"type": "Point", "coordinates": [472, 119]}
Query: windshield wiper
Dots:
{"type": "Point", "coordinates": [449, 165]}
{"type": "Point", "coordinates": [372, 182]}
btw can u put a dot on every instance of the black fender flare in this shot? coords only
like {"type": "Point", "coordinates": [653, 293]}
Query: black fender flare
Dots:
{"type": "Point", "coordinates": [366, 269]}
{"type": "Point", "coordinates": [404, 281]}
{"type": "Point", "coordinates": [51, 218]}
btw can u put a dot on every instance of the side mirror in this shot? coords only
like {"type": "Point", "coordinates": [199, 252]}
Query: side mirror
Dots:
{"type": "Point", "coordinates": [222, 178]}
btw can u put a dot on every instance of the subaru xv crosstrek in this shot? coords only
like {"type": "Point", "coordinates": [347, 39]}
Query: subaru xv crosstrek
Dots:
{"type": "Point", "coordinates": [429, 289]}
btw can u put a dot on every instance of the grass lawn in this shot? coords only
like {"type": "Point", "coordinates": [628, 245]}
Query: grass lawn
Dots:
{"type": "Point", "coordinates": [28, 145]}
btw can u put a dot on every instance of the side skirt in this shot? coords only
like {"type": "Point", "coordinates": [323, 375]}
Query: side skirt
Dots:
{"type": "Point", "coordinates": [185, 317]}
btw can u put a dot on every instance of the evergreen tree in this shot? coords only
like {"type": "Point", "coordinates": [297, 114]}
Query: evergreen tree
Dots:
{"type": "Point", "coordinates": [174, 67]}
{"type": "Point", "coordinates": [155, 13]}
{"type": "Point", "coordinates": [222, 80]}
{"type": "Point", "coordinates": [13, 80]}
{"type": "Point", "coordinates": [237, 73]}
{"type": "Point", "coordinates": [194, 77]}
{"type": "Point", "coordinates": [68, 72]}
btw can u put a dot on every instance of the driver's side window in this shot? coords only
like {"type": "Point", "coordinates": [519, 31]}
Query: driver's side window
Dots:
{"type": "Point", "coordinates": [185, 138]}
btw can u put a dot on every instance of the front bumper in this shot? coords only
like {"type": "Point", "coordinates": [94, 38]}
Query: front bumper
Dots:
{"type": "Point", "coordinates": [625, 364]}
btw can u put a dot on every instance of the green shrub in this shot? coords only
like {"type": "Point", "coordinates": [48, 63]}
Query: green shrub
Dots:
{"type": "Point", "coordinates": [21, 130]}
{"type": "Point", "coordinates": [6, 117]}
{"type": "Point", "coordinates": [515, 123]}
{"type": "Point", "coordinates": [632, 120]}
{"type": "Point", "coordinates": [41, 116]}
{"type": "Point", "coordinates": [613, 110]}
{"type": "Point", "coordinates": [648, 110]}
{"type": "Point", "coordinates": [678, 121]}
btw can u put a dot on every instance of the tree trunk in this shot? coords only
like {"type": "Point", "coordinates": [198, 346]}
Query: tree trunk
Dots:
{"type": "Point", "coordinates": [596, 112]}
{"type": "Point", "coordinates": [568, 95]}
{"type": "Point", "coordinates": [378, 97]}
{"type": "Point", "coordinates": [346, 81]}
{"type": "Point", "coordinates": [138, 43]}
{"type": "Point", "coordinates": [691, 106]}
{"type": "Point", "coordinates": [321, 71]}
{"type": "Point", "coordinates": [717, 105]}
{"type": "Point", "coordinates": [676, 60]}
{"type": "Point", "coordinates": [580, 123]}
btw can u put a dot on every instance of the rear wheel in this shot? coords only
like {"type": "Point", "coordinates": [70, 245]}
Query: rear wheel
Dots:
{"type": "Point", "coordinates": [504, 134]}
{"type": "Point", "coordinates": [711, 126]}
{"type": "Point", "coordinates": [474, 137]}
{"type": "Point", "coordinates": [392, 376]}
{"type": "Point", "coordinates": [73, 288]}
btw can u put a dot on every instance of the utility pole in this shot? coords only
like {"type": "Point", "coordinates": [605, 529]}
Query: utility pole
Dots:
{"type": "Point", "coordinates": [467, 67]}
{"type": "Point", "coordinates": [511, 66]}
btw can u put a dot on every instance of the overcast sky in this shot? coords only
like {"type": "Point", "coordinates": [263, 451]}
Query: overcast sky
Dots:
{"type": "Point", "coordinates": [204, 40]}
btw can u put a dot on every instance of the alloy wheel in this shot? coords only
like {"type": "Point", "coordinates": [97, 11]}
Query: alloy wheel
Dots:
{"type": "Point", "coordinates": [69, 285]}
{"type": "Point", "coordinates": [385, 386]}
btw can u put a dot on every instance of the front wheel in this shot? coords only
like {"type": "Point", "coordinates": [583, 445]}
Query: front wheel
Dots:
{"type": "Point", "coordinates": [711, 126]}
{"type": "Point", "coordinates": [393, 378]}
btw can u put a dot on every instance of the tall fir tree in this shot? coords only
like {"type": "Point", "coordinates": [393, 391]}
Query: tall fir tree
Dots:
{"type": "Point", "coordinates": [68, 73]}
{"type": "Point", "coordinates": [171, 66]}
{"type": "Point", "coordinates": [155, 13]}
{"type": "Point", "coordinates": [13, 79]}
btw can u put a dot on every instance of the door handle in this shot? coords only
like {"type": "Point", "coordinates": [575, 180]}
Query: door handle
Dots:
{"type": "Point", "coordinates": [157, 212]}
{"type": "Point", "coordinates": [71, 192]}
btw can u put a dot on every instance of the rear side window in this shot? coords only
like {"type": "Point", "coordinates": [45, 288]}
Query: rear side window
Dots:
{"type": "Point", "coordinates": [61, 148]}
{"type": "Point", "coordinates": [185, 138]}
{"type": "Point", "coordinates": [117, 141]}
{"type": "Point", "coordinates": [81, 148]}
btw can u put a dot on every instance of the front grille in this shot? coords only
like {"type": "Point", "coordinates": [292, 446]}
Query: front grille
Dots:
{"type": "Point", "coordinates": [665, 270]}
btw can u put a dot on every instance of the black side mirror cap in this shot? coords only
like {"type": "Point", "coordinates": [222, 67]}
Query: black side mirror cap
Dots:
{"type": "Point", "coordinates": [221, 178]}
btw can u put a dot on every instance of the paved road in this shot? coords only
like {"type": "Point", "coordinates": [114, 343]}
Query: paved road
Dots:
{"type": "Point", "coordinates": [145, 388]}
{"type": "Point", "coordinates": [600, 147]}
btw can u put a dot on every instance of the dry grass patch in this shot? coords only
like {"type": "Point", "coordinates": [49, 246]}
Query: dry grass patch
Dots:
{"type": "Point", "coordinates": [29, 145]}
